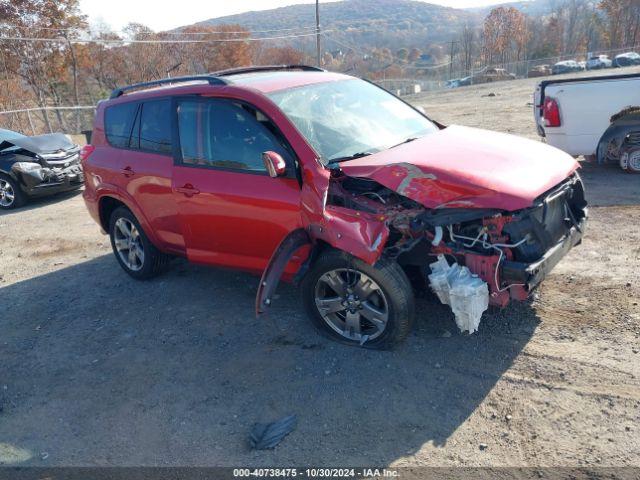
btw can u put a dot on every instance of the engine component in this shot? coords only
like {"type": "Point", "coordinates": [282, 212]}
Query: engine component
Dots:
{"type": "Point", "coordinates": [464, 292]}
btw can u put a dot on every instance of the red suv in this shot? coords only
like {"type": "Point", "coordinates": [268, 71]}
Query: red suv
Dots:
{"type": "Point", "coordinates": [332, 182]}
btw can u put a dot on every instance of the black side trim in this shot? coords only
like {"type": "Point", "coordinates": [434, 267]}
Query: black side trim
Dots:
{"type": "Point", "coordinates": [266, 68]}
{"type": "Point", "coordinates": [211, 80]}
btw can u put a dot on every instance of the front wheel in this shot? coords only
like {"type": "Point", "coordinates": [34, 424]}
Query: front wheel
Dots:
{"type": "Point", "coordinates": [10, 194]}
{"type": "Point", "coordinates": [356, 303]}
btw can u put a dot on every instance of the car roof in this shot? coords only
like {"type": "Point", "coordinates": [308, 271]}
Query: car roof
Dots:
{"type": "Point", "coordinates": [267, 82]}
{"type": "Point", "coordinates": [261, 78]}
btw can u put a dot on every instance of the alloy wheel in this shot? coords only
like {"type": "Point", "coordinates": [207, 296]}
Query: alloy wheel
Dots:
{"type": "Point", "coordinates": [128, 244]}
{"type": "Point", "coordinates": [352, 304]}
{"type": "Point", "coordinates": [7, 195]}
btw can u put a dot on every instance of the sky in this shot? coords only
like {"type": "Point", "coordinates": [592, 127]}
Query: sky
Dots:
{"type": "Point", "coordinates": [164, 15]}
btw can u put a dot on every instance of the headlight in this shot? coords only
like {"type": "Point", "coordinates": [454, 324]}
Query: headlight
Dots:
{"type": "Point", "coordinates": [26, 166]}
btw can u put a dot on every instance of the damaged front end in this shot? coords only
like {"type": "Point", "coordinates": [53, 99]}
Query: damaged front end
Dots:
{"type": "Point", "coordinates": [42, 164]}
{"type": "Point", "coordinates": [471, 257]}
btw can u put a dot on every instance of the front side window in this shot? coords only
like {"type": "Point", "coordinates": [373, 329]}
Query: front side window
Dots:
{"type": "Point", "coordinates": [222, 133]}
{"type": "Point", "coordinates": [350, 117]}
{"type": "Point", "coordinates": [118, 121]}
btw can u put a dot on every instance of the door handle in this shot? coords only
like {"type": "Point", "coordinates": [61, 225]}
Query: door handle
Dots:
{"type": "Point", "coordinates": [188, 190]}
{"type": "Point", "coordinates": [127, 171]}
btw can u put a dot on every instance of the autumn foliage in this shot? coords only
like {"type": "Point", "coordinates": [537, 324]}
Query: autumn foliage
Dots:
{"type": "Point", "coordinates": [67, 71]}
{"type": "Point", "coordinates": [51, 57]}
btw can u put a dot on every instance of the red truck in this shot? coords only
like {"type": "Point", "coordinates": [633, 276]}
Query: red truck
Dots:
{"type": "Point", "coordinates": [331, 182]}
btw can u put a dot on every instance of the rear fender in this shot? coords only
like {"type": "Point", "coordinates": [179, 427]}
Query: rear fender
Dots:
{"type": "Point", "coordinates": [622, 124]}
{"type": "Point", "coordinates": [112, 191]}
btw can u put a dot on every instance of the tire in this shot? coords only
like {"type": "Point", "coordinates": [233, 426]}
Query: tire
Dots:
{"type": "Point", "coordinates": [11, 196]}
{"type": "Point", "coordinates": [630, 161]}
{"type": "Point", "coordinates": [381, 293]}
{"type": "Point", "coordinates": [146, 261]}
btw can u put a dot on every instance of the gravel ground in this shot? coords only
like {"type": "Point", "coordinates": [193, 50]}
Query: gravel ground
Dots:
{"type": "Point", "coordinates": [98, 369]}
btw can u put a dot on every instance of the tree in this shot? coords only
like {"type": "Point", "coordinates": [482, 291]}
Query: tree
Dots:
{"type": "Point", "coordinates": [220, 47]}
{"type": "Point", "coordinates": [414, 54]}
{"type": "Point", "coordinates": [622, 24]}
{"type": "Point", "coordinates": [504, 35]}
{"type": "Point", "coordinates": [282, 56]}
{"type": "Point", "coordinates": [467, 45]}
{"type": "Point", "coordinates": [41, 65]}
{"type": "Point", "coordinates": [402, 54]}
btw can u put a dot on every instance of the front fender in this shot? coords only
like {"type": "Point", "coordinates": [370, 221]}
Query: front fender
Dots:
{"type": "Point", "coordinates": [279, 260]}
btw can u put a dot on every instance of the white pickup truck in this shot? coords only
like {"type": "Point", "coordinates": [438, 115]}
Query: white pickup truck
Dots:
{"type": "Point", "coordinates": [598, 116]}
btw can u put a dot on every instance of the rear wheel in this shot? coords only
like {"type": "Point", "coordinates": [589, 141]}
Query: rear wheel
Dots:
{"type": "Point", "coordinates": [356, 303]}
{"type": "Point", "coordinates": [10, 194]}
{"type": "Point", "coordinates": [630, 160]}
{"type": "Point", "coordinates": [135, 253]}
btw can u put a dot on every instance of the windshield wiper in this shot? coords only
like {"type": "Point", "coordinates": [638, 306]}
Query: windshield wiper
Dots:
{"type": "Point", "coordinates": [333, 161]}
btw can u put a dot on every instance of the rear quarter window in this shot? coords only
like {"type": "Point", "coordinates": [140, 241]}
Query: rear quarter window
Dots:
{"type": "Point", "coordinates": [118, 121]}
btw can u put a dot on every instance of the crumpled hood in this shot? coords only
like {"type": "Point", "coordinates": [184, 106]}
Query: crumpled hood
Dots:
{"type": "Point", "coordinates": [463, 167]}
{"type": "Point", "coordinates": [40, 144]}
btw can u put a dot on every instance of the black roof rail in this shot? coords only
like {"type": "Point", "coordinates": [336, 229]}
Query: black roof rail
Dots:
{"type": "Point", "coordinates": [266, 68]}
{"type": "Point", "coordinates": [211, 80]}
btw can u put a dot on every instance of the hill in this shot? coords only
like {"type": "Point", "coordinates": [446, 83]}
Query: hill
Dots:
{"type": "Point", "coordinates": [374, 23]}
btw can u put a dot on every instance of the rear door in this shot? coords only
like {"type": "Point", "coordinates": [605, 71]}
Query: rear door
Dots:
{"type": "Point", "coordinates": [231, 211]}
{"type": "Point", "coordinates": [148, 166]}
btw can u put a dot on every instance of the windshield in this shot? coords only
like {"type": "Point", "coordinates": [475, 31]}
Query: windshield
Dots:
{"type": "Point", "coordinates": [350, 118]}
{"type": "Point", "coordinates": [8, 135]}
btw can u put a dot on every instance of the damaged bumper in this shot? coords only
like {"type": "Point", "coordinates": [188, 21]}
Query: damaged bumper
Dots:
{"type": "Point", "coordinates": [37, 180]}
{"type": "Point", "coordinates": [531, 274]}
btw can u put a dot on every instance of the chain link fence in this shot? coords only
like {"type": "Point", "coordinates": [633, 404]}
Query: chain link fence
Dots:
{"type": "Point", "coordinates": [35, 121]}
{"type": "Point", "coordinates": [521, 68]}
{"type": "Point", "coordinates": [76, 120]}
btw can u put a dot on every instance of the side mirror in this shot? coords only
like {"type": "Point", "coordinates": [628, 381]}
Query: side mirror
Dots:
{"type": "Point", "coordinates": [274, 163]}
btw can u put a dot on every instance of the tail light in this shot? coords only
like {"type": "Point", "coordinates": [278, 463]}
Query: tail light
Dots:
{"type": "Point", "coordinates": [85, 152]}
{"type": "Point", "coordinates": [551, 113]}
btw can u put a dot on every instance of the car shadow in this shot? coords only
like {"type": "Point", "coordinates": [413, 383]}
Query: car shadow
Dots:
{"type": "Point", "coordinates": [99, 369]}
{"type": "Point", "coordinates": [38, 202]}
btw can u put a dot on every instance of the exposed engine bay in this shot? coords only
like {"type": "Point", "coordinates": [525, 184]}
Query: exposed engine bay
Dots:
{"type": "Point", "coordinates": [471, 257]}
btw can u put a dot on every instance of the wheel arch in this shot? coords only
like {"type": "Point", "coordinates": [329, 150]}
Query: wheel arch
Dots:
{"type": "Point", "coordinates": [109, 202]}
{"type": "Point", "coordinates": [106, 206]}
{"type": "Point", "coordinates": [625, 121]}
{"type": "Point", "coordinates": [9, 174]}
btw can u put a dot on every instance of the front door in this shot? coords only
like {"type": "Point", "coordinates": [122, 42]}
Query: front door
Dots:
{"type": "Point", "coordinates": [231, 211]}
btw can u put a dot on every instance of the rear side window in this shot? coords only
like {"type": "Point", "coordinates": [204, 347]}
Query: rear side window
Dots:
{"type": "Point", "coordinates": [118, 120]}
{"type": "Point", "coordinates": [155, 126]}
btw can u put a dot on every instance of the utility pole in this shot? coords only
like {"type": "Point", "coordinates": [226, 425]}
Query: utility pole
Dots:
{"type": "Point", "coordinates": [318, 32]}
{"type": "Point", "coordinates": [451, 53]}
